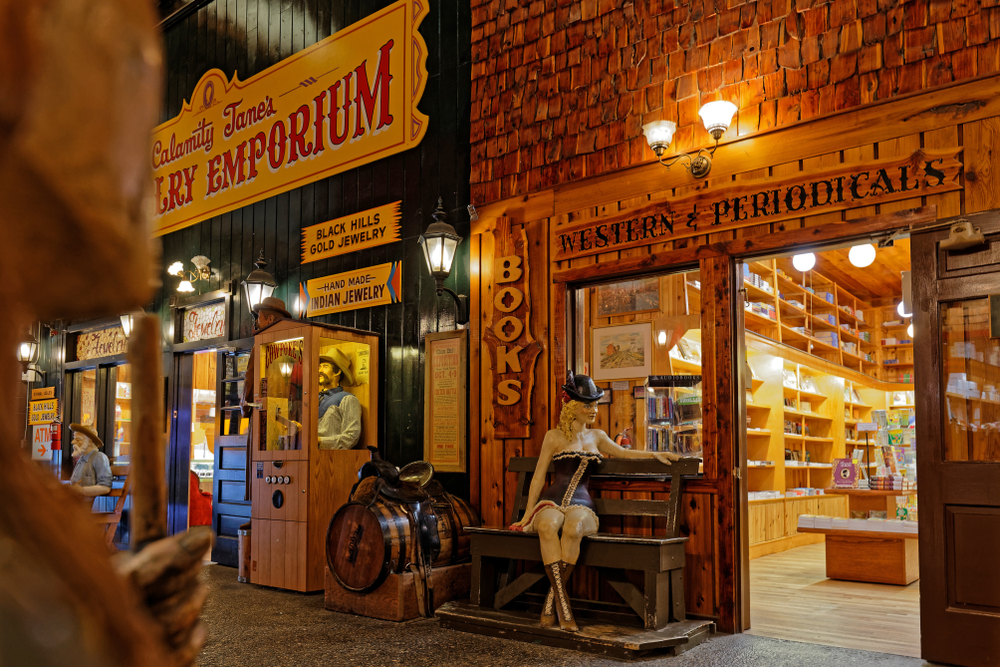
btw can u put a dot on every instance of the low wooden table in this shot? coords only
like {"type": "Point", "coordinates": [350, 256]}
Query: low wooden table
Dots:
{"type": "Point", "coordinates": [865, 500]}
{"type": "Point", "coordinates": [874, 557]}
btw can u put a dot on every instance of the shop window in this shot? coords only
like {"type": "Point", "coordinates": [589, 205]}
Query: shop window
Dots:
{"type": "Point", "coordinates": [628, 336]}
{"type": "Point", "coordinates": [281, 378]}
{"type": "Point", "coordinates": [204, 417]}
{"type": "Point", "coordinates": [121, 444]}
{"type": "Point", "coordinates": [234, 372]}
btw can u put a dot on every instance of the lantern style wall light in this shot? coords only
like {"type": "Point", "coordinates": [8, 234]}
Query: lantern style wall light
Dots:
{"type": "Point", "coordinates": [201, 272]}
{"type": "Point", "coordinates": [716, 116]}
{"type": "Point", "coordinates": [129, 320]}
{"type": "Point", "coordinates": [258, 285]}
{"type": "Point", "coordinates": [439, 243]}
{"type": "Point", "coordinates": [27, 355]}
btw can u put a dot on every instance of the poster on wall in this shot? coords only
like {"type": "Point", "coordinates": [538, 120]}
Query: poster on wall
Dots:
{"type": "Point", "coordinates": [622, 352]}
{"type": "Point", "coordinates": [375, 286]}
{"type": "Point", "coordinates": [343, 102]}
{"type": "Point", "coordinates": [629, 296]}
{"type": "Point", "coordinates": [444, 400]}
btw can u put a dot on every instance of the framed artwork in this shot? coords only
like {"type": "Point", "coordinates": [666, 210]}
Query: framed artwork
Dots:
{"type": "Point", "coordinates": [630, 296]}
{"type": "Point", "coordinates": [622, 352]}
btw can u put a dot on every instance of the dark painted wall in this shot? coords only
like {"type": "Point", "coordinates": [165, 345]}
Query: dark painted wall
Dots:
{"type": "Point", "coordinates": [247, 37]}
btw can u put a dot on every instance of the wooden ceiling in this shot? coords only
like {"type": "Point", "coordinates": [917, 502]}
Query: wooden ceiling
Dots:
{"type": "Point", "coordinates": [880, 281]}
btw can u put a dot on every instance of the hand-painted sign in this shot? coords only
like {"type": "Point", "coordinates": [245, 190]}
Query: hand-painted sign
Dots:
{"type": "Point", "coordinates": [512, 348]}
{"type": "Point", "coordinates": [352, 232]}
{"type": "Point", "coordinates": [205, 322]}
{"type": "Point", "coordinates": [348, 100]}
{"type": "Point", "coordinates": [41, 443]}
{"type": "Point", "coordinates": [374, 286]}
{"type": "Point", "coordinates": [43, 393]}
{"type": "Point", "coordinates": [43, 412]}
{"type": "Point", "coordinates": [744, 203]}
{"type": "Point", "coordinates": [103, 343]}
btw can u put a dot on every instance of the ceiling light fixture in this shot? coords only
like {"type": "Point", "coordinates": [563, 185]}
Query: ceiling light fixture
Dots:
{"type": "Point", "coordinates": [804, 262]}
{"type": "Point", "coordinates": [862, 255]}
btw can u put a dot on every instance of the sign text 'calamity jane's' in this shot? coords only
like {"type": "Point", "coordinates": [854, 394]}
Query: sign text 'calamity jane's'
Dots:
{"type": "Point", "coordinates": [745, 203]}
{"type": "Point", "coordinates": [345, 101]}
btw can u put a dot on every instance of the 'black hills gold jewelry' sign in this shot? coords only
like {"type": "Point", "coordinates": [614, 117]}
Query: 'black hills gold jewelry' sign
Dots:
{"type": "Point", "coordinates": [745, 203]}
{"type": "Point", "coordinates": [365, 229]}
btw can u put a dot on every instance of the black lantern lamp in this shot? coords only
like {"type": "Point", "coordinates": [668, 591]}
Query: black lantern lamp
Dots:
{"type": "Point", "coordinates": [129, 321]}
{"type": "Point", "coordinates": [27, 355]}
{"type": "Point", "coordinates": [440, 243]}
{"type": "Point", "coordinates": [258, 285]}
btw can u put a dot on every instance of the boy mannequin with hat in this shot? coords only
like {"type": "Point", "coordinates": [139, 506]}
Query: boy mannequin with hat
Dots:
{"type": "Point", "coordinates": [92, 470]}
{"type": "Point", "coordinates": [339, 410]}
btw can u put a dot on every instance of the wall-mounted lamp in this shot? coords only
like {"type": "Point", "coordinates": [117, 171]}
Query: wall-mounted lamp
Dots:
{"type": "Point", "coordinates": [439, 244]}
{"type": "Point", "coordinates": [258, 285]}
{"type": "Point", "coordinates": [27, 355]}
{"type": "Point", "coordinates": [128, 321]}
{"type": "Point", "coordinates": [716, 115]}
{"type": "Point", "coordinates": [201, 272]}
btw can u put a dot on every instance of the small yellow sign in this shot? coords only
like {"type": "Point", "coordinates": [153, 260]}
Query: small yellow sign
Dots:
{"type": "Point", "coordinates": [375, 286]}
{"type": "Point", "coordinates": [365, 229]}
{"type": "Point", "coordinates": [43, 393]}
{"type": "Point", "coordinates": [43, 412]}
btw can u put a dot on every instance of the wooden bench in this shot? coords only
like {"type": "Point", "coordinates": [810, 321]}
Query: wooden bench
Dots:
{"type": "Point", "coordinates": [642, 624]}
{"type": "Point", "coordinates": [120, 474]}
{"type": "Point", "coordinates": [870, 556]}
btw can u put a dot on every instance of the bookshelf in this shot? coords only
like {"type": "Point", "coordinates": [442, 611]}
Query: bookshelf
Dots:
{"type": "Point", "coordinates": [815, 315]}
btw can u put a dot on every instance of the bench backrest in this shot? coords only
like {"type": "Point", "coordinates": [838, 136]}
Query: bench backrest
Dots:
{"type": "Point", "coordinates": [619, 469]}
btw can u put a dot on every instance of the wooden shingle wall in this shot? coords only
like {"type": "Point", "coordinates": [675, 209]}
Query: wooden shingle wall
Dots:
{"type": "Point", "coordinates": [561, 88]}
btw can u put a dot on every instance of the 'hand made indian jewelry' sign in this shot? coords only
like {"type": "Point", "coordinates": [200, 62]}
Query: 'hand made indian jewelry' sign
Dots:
{"type": "Point", "coordinates": [348, 100]}
{"type": "Point", "coordinates": [375, 286]}
{"type": "Point", "coordinates": [755, 202]}
{"type": "Point", "coordinates": [351, 232]}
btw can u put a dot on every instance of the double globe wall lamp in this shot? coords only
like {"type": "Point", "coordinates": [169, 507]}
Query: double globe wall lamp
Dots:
{"type": "Point", "coordinates": [201, 272]}
{"type": "Point", "coordinates": [440, 243]}
{"type": "Point", "coordinates": [716, 115]}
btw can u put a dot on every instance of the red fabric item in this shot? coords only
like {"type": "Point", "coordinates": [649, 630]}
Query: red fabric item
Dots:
{"type": "Point", "coordinates": [199, 504]}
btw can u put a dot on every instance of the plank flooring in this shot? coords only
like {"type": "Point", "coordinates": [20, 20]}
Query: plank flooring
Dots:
{"type": "Point", "coordinates": [791, 598]}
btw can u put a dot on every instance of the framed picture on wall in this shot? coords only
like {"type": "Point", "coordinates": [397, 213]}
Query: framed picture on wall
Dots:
{"type": "Point", "coordinates": [630, 296]}
{"type": "Point", "coordinates": [622, 352]}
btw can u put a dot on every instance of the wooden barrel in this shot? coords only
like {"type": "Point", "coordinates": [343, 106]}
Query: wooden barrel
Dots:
{"type": "Point", "coordinates": [364, 544]}
{"type": "Point", "coordinates": [453, 515]}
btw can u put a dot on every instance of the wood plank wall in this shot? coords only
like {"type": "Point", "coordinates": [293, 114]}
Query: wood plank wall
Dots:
{"type": "Point", "coordinates": [245, 37]}
{"type": "Point", "coordinates": [964, 116]}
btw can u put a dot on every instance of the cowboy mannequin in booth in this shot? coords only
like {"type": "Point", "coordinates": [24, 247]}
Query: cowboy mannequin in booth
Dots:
{"type": "Point", "coordinates": [565, 513]}
{"type": "Point", "coordinates": [91, 470]}
{"type": "Point", "coordinates": [339, 410]}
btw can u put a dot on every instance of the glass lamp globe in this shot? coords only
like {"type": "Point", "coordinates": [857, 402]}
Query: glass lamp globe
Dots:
{"type": "Point", "coordinates": [717, 116]}
{"type": "Point", "coordinates": [862, 255]}
{"type": "Point", "coordinates": [439, 244]}
{"type": "Point", "coordinates": [259, 284]}
{"type": "Point", "coordinates": [902, 311]}
{"type": "Point", "coordinates": [659, 134]}
{"type": "Point", "coordinates": [804, 262]}
{"type": "Point", "coordinates": [27, 351]}
{"type": "Point", "coordinates": [909, 330]}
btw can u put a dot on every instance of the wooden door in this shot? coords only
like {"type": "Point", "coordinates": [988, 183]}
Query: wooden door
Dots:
{"type": "Point", "coordinates": [179, 450]}
{"type": "Point", "coordinates": [958, 446]}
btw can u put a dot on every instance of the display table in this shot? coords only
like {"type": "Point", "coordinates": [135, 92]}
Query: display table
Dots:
{"type": "Point", "coordinates": [875, 557]}
{"type": "Point", "coordinates": [863, 500]}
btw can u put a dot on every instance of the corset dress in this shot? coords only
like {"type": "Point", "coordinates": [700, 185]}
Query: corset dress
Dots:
{"type": "Point", "coordinates": [569, 485]}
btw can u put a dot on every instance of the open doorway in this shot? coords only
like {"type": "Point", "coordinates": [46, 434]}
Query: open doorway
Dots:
{"type": "Point", "coordinates": [830, 449]}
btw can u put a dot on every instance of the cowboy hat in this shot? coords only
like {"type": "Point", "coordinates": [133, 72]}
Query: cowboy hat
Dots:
{"type": "Point", "coordinates": [272, 303]}
{"type": "Point", "coordinates": [340, 360]}
{"type": "Point", "coordinates": [581, 388]}
{"type": "Point", "coordinates": [89, 432]}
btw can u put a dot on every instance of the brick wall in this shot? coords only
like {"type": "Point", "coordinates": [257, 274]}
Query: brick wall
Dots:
{"type": "Point", "coordinates": [561, 88]}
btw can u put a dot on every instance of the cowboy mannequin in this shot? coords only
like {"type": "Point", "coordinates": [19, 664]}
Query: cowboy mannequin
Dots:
{"type": "Point", "coordinates": [339, 410]}
{"type": "Point", "coordinates": [270, 310]}
{"type": "Point", "coordinates": [565, 513]}
{"type": "Point", "coordinates": [92, 471]}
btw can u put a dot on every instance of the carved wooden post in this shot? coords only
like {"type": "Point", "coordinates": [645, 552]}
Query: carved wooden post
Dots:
{"type": "Point", "coordinates": [149, 481]}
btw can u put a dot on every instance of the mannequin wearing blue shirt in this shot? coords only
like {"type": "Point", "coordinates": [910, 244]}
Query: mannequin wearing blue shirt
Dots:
{"type": "Point", "coordinates": [339, 410]}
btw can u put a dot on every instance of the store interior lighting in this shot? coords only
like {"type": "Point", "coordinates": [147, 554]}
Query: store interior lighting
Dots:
{"type": "Point", "coordinates": [804, 262]}
{"type": "Point", "coordinates": [862, 255]}
{"type": "Point", "coordinates": [902, 310]}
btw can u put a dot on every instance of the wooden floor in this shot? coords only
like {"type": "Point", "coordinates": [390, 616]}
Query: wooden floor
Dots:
{"type": "Point", "coordinates": [791, 598]}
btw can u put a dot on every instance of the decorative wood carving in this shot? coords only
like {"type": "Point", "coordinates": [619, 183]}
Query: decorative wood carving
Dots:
{"type": "Point", "coordinates": [512, 349]}
{"type": "Point", "coordinates": [745, 203]}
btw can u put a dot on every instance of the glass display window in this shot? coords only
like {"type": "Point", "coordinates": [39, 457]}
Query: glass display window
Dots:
{"type": "Point", "coordinates": [121, 444]}
{"type": "Point", "coordinates": [233, 379]}
{"type": "Point", "coordinates": [281, 394]}
{"type": "Point", "coordinates": [344, 401]}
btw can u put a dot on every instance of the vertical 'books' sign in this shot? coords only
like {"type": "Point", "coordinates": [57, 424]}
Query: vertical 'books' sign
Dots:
{"type": "Point", "coordinates": [345, 101]}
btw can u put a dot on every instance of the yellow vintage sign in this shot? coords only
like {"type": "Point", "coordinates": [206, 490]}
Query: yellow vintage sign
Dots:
{"type": "Point", "coordinates": [43, 393]}
{"type": "Point", "coordinates": [43, 412]}
{"type": "Point", "coordinates": [346, 101]}
{"type": "Point", "coordinates": [375, 286]}
{"type": "Point", "coordinates": [351, 232]}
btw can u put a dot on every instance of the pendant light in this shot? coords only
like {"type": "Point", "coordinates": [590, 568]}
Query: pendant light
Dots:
{"type": "Point", "coordinates": [862, 255]}
{"type": "Point", "coordinates": [804, 262]}
{"type": "Point", "coordinates": [902, 311]}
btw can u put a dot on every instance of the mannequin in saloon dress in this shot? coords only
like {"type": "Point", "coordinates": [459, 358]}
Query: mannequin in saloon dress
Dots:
{"type": "Point", "coordinates": [564, 513]}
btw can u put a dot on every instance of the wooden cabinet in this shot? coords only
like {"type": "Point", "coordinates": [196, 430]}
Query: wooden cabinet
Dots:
{"type": "Point", "coordinates": [297, 484]}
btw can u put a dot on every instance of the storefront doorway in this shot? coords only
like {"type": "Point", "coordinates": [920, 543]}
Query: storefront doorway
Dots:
{"type": "Point", "coordinates": [193, 438]}
{"type": "Point", "coordinates": [829, 449]}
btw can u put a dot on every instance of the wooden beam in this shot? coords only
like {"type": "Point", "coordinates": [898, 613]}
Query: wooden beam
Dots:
{"type": "Point", "coordinates": [800, 239]}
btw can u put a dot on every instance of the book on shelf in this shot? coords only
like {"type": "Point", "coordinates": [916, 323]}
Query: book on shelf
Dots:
{"type": "Point", "coordinates": [789, 380]}
{"type": "Point", "coordinates": [808, 384]}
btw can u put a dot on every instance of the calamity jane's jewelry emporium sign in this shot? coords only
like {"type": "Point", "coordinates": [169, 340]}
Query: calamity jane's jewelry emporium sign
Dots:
{"type": "Point", "coordinates": [346, 101]}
